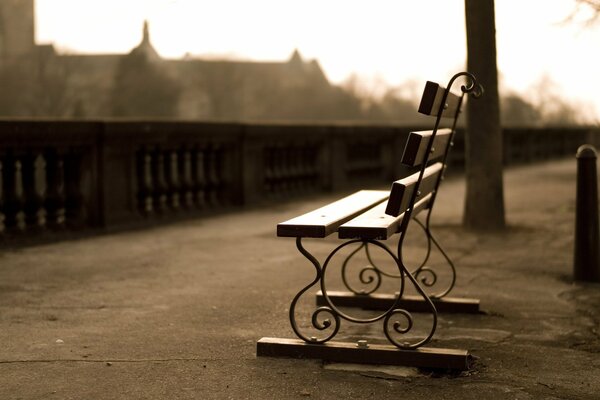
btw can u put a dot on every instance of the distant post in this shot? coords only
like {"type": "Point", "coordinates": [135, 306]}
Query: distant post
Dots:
{"type": "Point", "coordinates": [587, 234]}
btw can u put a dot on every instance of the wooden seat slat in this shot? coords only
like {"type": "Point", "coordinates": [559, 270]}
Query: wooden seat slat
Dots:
{"type": "Point", "coordinates": [416, 146]}
{"type": "Point", "coordinates": [326, 220]}
{"type": "Point", "coordinates": [376, 224]}
{"type": "Point", "coordinates": [402, 190]}
{"type": "Point", "coordinates": [432, 99]}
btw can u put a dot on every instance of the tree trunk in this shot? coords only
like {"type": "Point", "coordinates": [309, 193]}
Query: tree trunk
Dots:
{"type": "Point", "coordinates": [484, 205]}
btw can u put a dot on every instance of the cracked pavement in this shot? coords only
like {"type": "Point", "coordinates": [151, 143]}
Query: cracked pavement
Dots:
{"type": "Point", "coordinates": [175, 311]}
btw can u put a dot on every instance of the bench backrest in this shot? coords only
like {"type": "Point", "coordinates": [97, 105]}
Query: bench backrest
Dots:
{"type": "Point", "coordinates": [363, 214]}
{"type": "Point", "coordinates": [428, 149]}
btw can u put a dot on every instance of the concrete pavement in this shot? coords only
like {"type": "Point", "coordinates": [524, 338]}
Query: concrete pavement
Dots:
{"type": "Point", "coordinates": [174, 312]}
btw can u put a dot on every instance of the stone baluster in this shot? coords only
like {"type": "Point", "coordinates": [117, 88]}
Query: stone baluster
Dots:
{"type": "Point", "coordinates": [277, 170]}
{"type": "Point", "coordinates": [297, 167]}
{"type": "Point", "coordinates": [290, 163]}
{"type": "Point", "coordinates": [268, 169]}
{"type": "Point", "coordinates": [352, 158]}
{"type": "Point", "coordinates": [284, 169]}
{"type": "Point", "coordinates": [55, 190]}
{"type": "Point", "coordinates": [313, 165]}
{"type": "Point", "coordinates": [199, 178]}
{"type": "Point", "coordinates": [304, 166]}
{"type": "Point", "coordinates": [173, 185]}
{"type": "Point", "coordinates": [159, 184]}
{"type": "Point", "coordinates": [34, 189]}
{"type": "Point", "coordinates": [2, 211]}
{"type": "Point", "coordinates": [213, 175]}
{"type": "Point", "coordinates": [13, 194]}
{"type": "Point", "coordinates": [75, 207]}
{"type": "Point", "coordinates": [144, 180]}
{"type": "Point", "coordinates": [186, 183]}
{"type": "Point", "coordinates": [290, 169]}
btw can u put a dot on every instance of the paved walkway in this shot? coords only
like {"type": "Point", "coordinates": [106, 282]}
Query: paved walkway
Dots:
{"type": "Point", "coordinates": [175, 311]}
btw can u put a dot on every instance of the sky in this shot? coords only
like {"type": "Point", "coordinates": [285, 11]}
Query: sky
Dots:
{"type": "Point", "coordinates": [384, 42]}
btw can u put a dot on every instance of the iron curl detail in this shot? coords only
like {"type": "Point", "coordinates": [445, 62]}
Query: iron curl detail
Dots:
{"type": "Point", "coordinates": [368, 275]}
{"type": "Point", "coordinates": [328, 262]}
{"type": "Point", "coordinates": [399, 328]}
{"type": "Point", "coordinates": [442, 291]}
{"type": "Point", "coordinates": [472, 87]}
{"type": "Point", "coordinates": [324, 324]}
{"type": "Point", "coordinates": [371, 274]}
{"type": "Point", "coordinates": [366, 278]}
{"type": "Point", "coordinates": [327, 322]}
{"type": "Point", "coordinates": [430, 276]}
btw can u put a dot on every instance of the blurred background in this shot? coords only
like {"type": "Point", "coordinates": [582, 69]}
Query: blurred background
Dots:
{"type": "Point", "coordinates": [272, 60]}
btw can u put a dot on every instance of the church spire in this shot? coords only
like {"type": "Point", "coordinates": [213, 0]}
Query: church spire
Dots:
{"type": "Point", "coordinates": [296, 58]}
{"type": "Point", "coordinates": [145, 47]}
{"type": "Point", "coordinates": [146, 35]}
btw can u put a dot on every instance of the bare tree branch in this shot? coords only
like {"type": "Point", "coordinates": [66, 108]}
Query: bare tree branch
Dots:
{"type": "Point", "coordinates": [594, 4]}
{"type": "Point", "coordinates": [585, 11]}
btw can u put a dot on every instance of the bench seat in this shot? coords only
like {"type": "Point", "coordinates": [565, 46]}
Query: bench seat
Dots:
{"type": "Point", "coordinates": [376, 224]}
{"type": "Point", "coordinates": [326, 220]}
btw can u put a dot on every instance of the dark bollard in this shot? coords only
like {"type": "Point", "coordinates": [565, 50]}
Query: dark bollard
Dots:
{"type": "Point", "coordinates": [587, 235]}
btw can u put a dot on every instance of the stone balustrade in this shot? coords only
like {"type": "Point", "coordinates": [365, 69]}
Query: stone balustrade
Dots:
{"type": "Point", "coordinates": [63, 175]}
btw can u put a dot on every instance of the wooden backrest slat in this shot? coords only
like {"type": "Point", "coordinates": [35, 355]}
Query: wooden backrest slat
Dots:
{"type": "Point", "coordinates": [416, 146]}
{"type": "Point", "coordinates": [325, 220]}
{"type": "Point", "coordinates": [432, 99]}
{"type": "Point", "coordinates": [402, 190]}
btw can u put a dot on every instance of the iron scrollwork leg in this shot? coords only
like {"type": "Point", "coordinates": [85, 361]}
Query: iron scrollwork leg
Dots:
{"type": "Point", "coordinates": [395, 308]}
{"type": "Point", "coordinates": [318, 324]}
{"type": "Point", "coordinates": [398, 326]}
{"type": "Point", "coordinates": [372, 274]}
{"type": "Point", "coordinates": [369, 274]}
{"type": "Point", "coordinates": [364, 276]}
{"type": "Point", "coordinates": [431, 277]}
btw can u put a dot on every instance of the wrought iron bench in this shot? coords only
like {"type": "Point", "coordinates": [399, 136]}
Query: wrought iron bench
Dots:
{"type": "Point", "coordinates": [366, 219]}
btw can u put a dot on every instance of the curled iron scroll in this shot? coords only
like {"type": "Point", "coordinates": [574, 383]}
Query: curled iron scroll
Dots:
{"type": "Point", "coordinates": [471, 87]}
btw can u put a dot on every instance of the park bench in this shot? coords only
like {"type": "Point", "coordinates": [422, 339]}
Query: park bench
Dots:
{"type": "Point", "coordinates": [365, 220]}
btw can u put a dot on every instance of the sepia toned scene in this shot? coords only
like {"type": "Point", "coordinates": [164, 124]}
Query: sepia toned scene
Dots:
{"type": "Point", "coordinates": [284, 200]}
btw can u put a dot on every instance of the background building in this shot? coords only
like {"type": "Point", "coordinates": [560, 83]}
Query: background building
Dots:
{"type": "Point", "coordinates": [36, 81]}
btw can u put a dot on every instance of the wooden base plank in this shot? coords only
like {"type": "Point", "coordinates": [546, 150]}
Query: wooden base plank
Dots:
{"type": "Point", "coordinates": [424, 357]}
{"type": "Point", "coordinates": [410, 303]}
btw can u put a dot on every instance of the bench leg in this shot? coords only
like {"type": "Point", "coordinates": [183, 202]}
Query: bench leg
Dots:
{"type": "Point", "coordinates": [427, 274]}
{"type": "Point", "coordinates": [372, 275]}
{"type": "Point", "coordinates": [397, 322]}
